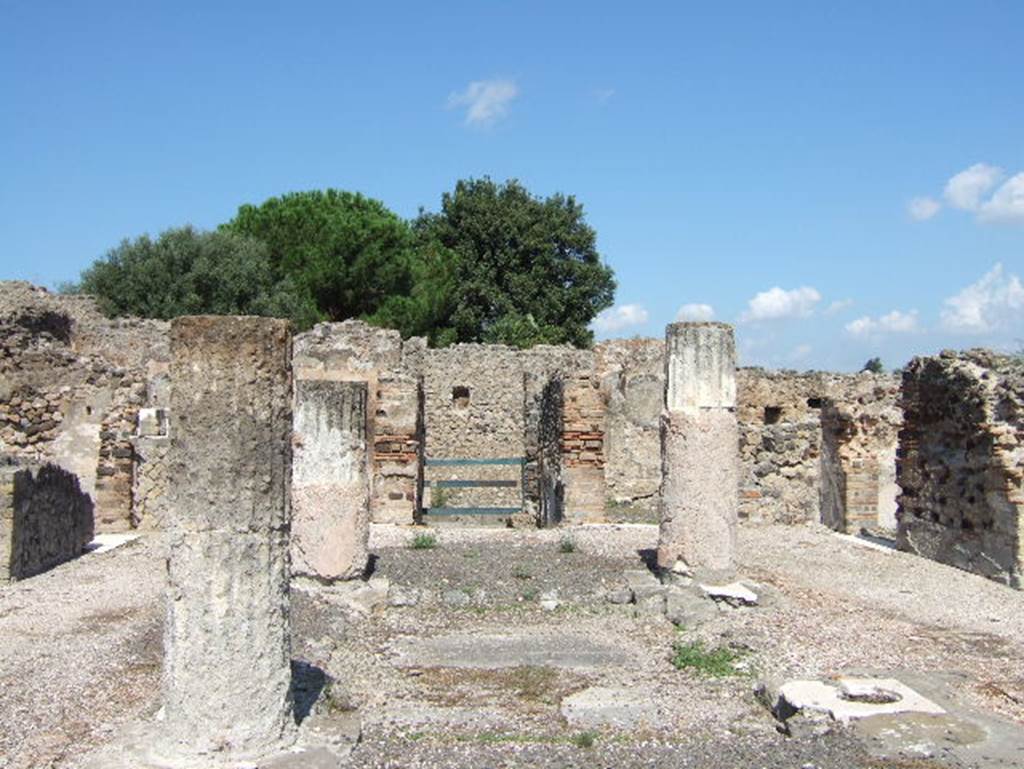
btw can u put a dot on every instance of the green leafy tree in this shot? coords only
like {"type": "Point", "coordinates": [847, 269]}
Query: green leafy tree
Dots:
{"type": "Point", "coordinates": [518, 269]}
{"type": "Point", "coordinates": [185, 272]}
{"type": "Point", "coordinates": [425, 309]}
{"type": "Point", "coordinates": [344, 253]}
{"type": "Point", "coordinates": [874, 365]}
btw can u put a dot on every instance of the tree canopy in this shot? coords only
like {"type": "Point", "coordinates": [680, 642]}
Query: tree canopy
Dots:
{"type": "Point", "coordinates": [520, 269]}
{"type": "Point", "coordinates": [345, 253]}
{"type": "Point", "coordinates": [495, 264]}
{"type": "Point", "coordinates": [185, 271]}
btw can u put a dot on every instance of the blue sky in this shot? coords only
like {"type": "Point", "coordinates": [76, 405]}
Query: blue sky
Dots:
{"type": "Point", "coordinates": [841, 183]}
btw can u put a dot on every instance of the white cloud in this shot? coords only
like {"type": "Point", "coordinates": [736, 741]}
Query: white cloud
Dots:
{"type": "Point", "coordinates": [604, 95]}
{"type": "Point", "coordinates": [620, 317]}
{"type": "Point", "coordinates": [922, 209]}
{"type": "Point", "coordinates": [993, 303]}
{"type": "Point", "coordinates": [838, 306]}
{"type": "Point", "coordinates": [1006, 204]}
{"type": "Point", "coordinates": [695, 312]}
{"type": "Point", "coordinates": [895, 322]}
{"type": "Point", "coordinates": [486, 101]}
{"type": "Point", "coordinates": [777, 303]}
{"type": "Point", "coordinates": [966, 189]}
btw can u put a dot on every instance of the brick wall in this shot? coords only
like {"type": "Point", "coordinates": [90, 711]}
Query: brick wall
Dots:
{"type": "Point", "coordinates": [583, 448]}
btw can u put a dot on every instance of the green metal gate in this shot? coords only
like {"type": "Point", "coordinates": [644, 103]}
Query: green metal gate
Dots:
{"type": "Point", "coordinates": [434, 512]}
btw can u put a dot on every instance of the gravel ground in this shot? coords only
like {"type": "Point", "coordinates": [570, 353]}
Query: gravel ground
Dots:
{"type": "Point", "coordinates": [80, 654]}
{"type": "Point", "coordinates": [80, 649]}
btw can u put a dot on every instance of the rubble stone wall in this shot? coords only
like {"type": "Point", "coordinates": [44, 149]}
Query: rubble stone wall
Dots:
{"type": "Point", "coordinates": [808, 442]}
{"type": "Point", "coordinates": [780, 445]}
{"type": "Point", "coordinates": [474, 398]}
{"type": "Point", "coordinates": [152, 477]}
{"type": "Point", "coordinates": [961, 463]}
{"type": "Point", "coordinates": [71, 385]}
{"type": "Point", "coordinates": [632, 379]}
{"type": "Point", "coordinates": [45, 519]}
{"type": "Point", "coordinates": [861, 420]}
{"type": "Point", "coordinates": [818, 446]}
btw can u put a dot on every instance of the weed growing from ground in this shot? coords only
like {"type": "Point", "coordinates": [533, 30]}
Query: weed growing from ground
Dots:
{"type": "Point", "coordinates": [715, 663]}
{"type": "Point", "coordinates": [534, 683]}
{"type": "Point", "coordinates": [584, 740]}
{"type": "Point", "coordinates": [439, 496]}
{"type": "Point", "coordinates": [567, 545]}
{"type": "Point", "coordinates": [520, 572]}
{"type": "Point", "coordinates": [423, 541]}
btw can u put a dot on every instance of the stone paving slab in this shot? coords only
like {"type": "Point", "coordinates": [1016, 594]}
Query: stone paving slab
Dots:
{"type": "Point", "coordinates": [506, 651]}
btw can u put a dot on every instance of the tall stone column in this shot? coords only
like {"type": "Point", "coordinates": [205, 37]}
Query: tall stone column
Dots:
{"type": "Point", "coordinates": [699, 450]}
{"type": "Point", "coordinates": [227, 645]}
{"type": "Point", "coordinates": [331, 486]}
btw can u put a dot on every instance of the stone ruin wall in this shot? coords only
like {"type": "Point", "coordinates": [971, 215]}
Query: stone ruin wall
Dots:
{"type": "Point", "coordinates": [861, 420]}
{"type": "Point", "coordinates": [45, 519]}
{"type": "Point", "coordinates": [632, 380]}
{"type": "Point", "coordinates": [355, 351]}
{"type": "Point", "coordinates": [474, 408]}
{"type": "Point", "coordinates": [961, 464]}
{"type": "Point", "coordinates": [818, 446]}
{"type": "Point", "coordinates": [812, 445]}
{"type": "Point", "coordinates": [469, 401]}
{"type": "Point", "coordinates": [92, 394]}
{"type": "Point", "coordinates": [71, 386]}
{"type": "Point", "coordinates": [580, 427]}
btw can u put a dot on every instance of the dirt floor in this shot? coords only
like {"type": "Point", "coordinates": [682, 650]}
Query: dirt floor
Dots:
{"type": "Point", "coordinates": [501, 648]}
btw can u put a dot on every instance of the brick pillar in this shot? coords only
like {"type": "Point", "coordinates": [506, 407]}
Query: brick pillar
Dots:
{"type": "Point", "coordinates": [227, 645]}
{"type": "Point", "coordinates": [331, 487]}
{"type": "Point", "coordinates": [699, 450]}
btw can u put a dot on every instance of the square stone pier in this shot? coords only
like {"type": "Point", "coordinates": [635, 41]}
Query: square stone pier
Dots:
{"type": "Point", "coordinates": [699, 451]}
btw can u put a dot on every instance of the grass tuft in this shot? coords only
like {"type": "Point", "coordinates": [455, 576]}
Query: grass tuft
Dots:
{"type": "Point", "coordinates": [584, 739]}
{"type": "Point", "coordinates": [423, 541]}
{"type": "Point", "coordinates": [567, 545]}
{"type": "Point", "coordinates": [715, 663]}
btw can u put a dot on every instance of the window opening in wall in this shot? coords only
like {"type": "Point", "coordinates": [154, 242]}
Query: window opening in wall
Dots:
{"type": "Point", "coordinates": [814, 403]}
{"type": "Point", "coordinates": [772, 414]}
{"type": "Point", "coordinates": [460, 396]}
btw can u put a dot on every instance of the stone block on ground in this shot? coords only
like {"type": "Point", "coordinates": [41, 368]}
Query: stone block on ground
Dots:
{"type": "Point", "coordinates": [643, 584]}
{"type": "Point", "coordinates": [620, 708]}
{"type": "Point", "coordinates": [846, 699]}
{"type": "Point", "coordinates": [735, 594]}
{"type": "Point", "coordinates": [687, 607]}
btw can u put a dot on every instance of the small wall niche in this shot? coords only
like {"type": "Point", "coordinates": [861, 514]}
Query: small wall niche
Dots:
{"type": "Point", "coordinates": [772, 414]}
{"type": "Point", "coordinates": [460, 396]}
